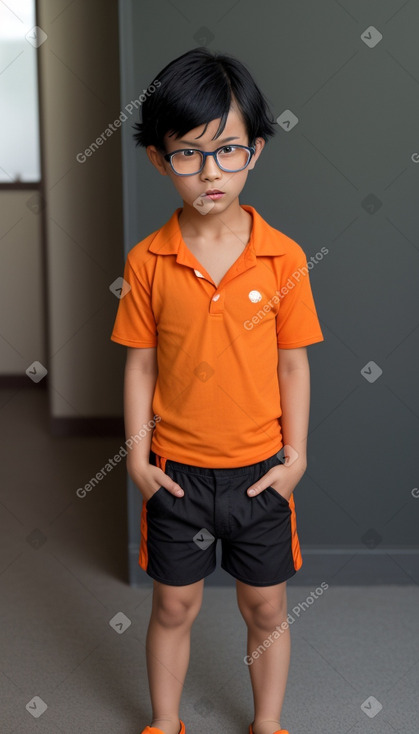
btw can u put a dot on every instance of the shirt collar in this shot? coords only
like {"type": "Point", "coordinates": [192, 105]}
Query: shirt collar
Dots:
{"type": "Point", "coordinates": [264, 239]}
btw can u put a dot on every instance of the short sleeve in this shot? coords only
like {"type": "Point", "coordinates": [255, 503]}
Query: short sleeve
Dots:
{"type": "Point", "coordinates": [135, 325]}
{"type": "Point", "coordinates": [297, 323]}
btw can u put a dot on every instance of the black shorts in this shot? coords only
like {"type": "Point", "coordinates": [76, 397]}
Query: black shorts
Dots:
{"type": "Point", "coordinates": [258, 534]}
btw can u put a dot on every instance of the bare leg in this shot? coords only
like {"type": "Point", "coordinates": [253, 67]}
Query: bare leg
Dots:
{"type": "Point", "coordinates": [263, 608]}
{"type": "Point", "coordinates": [174, 610]}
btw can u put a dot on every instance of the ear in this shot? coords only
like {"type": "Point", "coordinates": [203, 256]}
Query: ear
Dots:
{"type": "Point", "coordinates": [259, 146]}
{"type": "Point", "coordinates": [156, 157]}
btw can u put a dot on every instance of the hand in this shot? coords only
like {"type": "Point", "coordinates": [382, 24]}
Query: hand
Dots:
{"type": "Point", "coordinates": [149, 478]}
{"type": "Point", "coordinates": [283, 478]}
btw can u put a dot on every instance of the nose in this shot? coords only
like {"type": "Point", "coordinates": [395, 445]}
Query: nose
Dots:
{"type": "Point", "coordinates": [211, 170]}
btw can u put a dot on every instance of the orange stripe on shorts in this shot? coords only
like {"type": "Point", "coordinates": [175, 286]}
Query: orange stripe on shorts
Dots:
{"type": "Point", "coordinates": [143, 555]}
{"type": "Point", "coordinates": [295, 543]}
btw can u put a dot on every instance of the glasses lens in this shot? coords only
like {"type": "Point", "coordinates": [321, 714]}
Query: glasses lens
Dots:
{"type": "Point", "coordinates": [187, 161]}
{"type": "Point", "coordinates": [232, 158]}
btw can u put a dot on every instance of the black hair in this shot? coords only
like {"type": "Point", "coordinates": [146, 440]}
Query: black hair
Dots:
{"type": "Point", "coordinates": [196, 88]}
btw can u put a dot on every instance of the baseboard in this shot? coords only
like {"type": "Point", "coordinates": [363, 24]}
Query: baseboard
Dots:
{"type": "Point", "coordinates": [21, 382]}
{"type": "Point", "coordinates": [68, 426]}
{"type": "Point", "coordinates": [87, 426]}
{"type": "Point", "coordinates": [346, 567]}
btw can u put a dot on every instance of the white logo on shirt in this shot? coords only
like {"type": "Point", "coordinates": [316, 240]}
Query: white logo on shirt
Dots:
{"type": "Point", "coordinates": [255, 296]}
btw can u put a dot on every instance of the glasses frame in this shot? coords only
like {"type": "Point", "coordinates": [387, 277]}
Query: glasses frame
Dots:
{"type": "Point", "coordinates": [250, 148]}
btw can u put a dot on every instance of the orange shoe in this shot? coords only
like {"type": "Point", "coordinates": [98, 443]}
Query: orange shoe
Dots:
{"type": "Point", "coordinates": [280, 731]}
{"type": "Point", "coordinates": [156, 730]}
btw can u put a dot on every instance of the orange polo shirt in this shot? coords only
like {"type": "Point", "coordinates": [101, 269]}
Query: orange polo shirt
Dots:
{"type": "Point", "coordinates": [217, 389]}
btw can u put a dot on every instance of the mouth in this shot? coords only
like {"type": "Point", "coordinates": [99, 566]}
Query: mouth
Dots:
{"type": "Point", "coordinates": [213, 193]}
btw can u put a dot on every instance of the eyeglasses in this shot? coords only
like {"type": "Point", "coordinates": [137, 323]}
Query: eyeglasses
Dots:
{"type": "Point", "coordinates": [230, 158]}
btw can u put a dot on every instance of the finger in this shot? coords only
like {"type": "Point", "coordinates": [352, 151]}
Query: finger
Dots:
{"type": "Point", "coordinates": [174, 488]}
{"type": "Point", "coordinates": [257, 488]}
{"type": "Point", "coordinates": [261, 484]}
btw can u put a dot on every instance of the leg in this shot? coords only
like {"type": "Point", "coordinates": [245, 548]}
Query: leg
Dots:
{"type": "Point", "coordinates": [174, 610]}
{"type": "Point", "coordinates": [263, 608]}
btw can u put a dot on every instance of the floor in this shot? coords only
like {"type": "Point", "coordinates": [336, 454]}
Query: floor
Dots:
{"type": "Point", "coordinates": [72, 631]}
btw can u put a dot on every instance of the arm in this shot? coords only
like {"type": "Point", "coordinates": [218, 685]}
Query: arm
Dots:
{"type": "Point", "coordinates": [294, 386]}
{"type": "Point", "coordinates": [139, 383]}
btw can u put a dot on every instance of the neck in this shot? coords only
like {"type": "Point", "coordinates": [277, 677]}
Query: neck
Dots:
{"type": "Point", "coordinates": [212, 225]}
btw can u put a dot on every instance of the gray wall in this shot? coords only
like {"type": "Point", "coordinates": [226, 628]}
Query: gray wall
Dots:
{"type": "Point", "coordinates": [344, 177]}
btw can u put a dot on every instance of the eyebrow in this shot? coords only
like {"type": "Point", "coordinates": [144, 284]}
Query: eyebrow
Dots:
{"type": "Point", "coordinates": [225, 140]}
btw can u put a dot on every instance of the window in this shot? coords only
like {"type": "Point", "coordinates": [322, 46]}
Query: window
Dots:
{"type": "Point", "coordinates": [19, 124]}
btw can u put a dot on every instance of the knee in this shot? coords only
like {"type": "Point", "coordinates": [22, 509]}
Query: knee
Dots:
{"type": "Point", "coordinates": [175, 612]}
{"type": "Point", "coordinates": [264, 615]}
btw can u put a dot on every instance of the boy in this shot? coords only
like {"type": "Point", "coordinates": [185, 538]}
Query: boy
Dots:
{"type": "Point", "coordinates": [216, 321]}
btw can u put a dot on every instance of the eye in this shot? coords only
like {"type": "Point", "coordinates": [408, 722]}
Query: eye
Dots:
{"type": "Point", "coordinates": [228, 149]}
{"type": "Point", "coordinates": [188, 153]}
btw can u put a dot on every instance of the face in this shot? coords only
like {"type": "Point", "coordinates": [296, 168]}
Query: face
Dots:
{"type": "Point", "coordinates": [190, 188]}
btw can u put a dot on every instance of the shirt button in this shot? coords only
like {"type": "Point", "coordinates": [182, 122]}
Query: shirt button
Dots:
{"type": "Point", "coordinates": [198, 274]}
{"type": "Point", "coordinates": [215, 298]}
